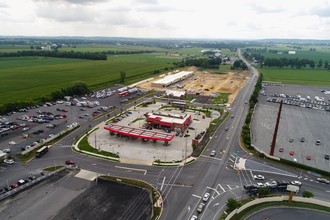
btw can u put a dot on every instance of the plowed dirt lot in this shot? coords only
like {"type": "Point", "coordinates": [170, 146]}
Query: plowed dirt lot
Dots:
{"type": "Point", "coordinates": [206, 83]}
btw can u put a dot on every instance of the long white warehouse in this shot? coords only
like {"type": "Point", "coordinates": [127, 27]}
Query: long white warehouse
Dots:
{"type": "Point", "coordinates": [170, 79]}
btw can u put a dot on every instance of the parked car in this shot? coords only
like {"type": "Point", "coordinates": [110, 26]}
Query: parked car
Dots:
{"type": "Point", "coordinates": [6, 150]}
{"type": "Point", "coordinates": [213, 152]}
{"type": "Point", "coordinates": [327, 156]}
{"type": "Point", "coordinates": [302, 139]}
{"type": "Point", "coordinates": [200, 207]}
{"type": "Point", "coordinates": [291, 152]}
{"type": "Point", "coordinates": [206, 197]}
{"type": "Point", "coordinates": [12, 142]}
{"type": "Point", "coordinates": [322, 180]}
{"type": "Point", "coordinates": [14, 185]}
{"type": "Point", "coordinates": [258, 177]}
{"type": "Point", "coordinates": [308, 157]}
{"type": "Point", "coordinates": [9, 161]}
{"type": "Point", "coordinates": [281, 149]}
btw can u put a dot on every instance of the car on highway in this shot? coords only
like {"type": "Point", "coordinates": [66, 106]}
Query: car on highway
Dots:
{"type": "Point", "coordinates": [69, 162]}
{"type": "Point", "coordinates": [9, 161]}
{"type": "Point", "coordinates": [260, 185]}
{"type": "Point", "coordinates": [258, 177]}
{"type": "Point", "coordinates": [200, 207]}
{"type": "Point", "coordinates": [291, 152]}
{"type": "Point", "coordinates": [206, 197]}
{"type": "Point", "coordinates": [12, 142]}
{"type": "Point", "coordinates": [296, 183]}
{"type": "Point", "coordinates": [323, 180]}
{"type": "Point", "coordinates": [213, 153]}
{"type": "Point", "coordinates": [194, 217]}
{"type": "Point", "coordinates": [272, 184]}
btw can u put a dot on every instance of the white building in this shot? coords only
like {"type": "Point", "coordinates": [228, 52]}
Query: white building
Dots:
{"type": "Point", "coordinates": [171, 79]}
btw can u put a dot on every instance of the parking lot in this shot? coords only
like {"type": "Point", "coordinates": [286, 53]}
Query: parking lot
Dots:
{"type": "Point", "coordinates": [136, 151]}
{"type": "Point", "coordinates": [27, 127]}
{"type": "Point", "coordinates": [300, 126]}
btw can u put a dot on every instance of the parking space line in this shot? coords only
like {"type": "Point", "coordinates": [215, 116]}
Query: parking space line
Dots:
{"type": "Point", "coordinates": [229, 187]}
{"type": "Point", "coordinates": [196, 196]}
{"type": "Point", "coordinates": [222, 188]}
{"type": "Point", "coordinates": [161, 187]}
{"type": "Point", "coordinates": [231, 160]}
{"type": "Point", "coordinates": [213, 190]}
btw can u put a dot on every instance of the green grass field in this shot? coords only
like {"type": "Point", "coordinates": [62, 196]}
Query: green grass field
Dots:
{"type": "Point", "coordinates": [293, 76]}
{"type": "Point", "coordinates": [32, 77]}
{"type": "Point", "coordinates": [320, 53]}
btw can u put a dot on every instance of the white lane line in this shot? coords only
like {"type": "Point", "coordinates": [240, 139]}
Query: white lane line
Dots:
{"type": "Point", "coordinates": [229, 187]}
{"type": "Point", "coordinates": [161, 187]}
{"type": "Point", "coordinates": [222, 188]}
{"type": "Point", "coordinates": [135, 169]}
{"type": "Point", "coordinates": [196, 196]}
{"type": "Point", "coordinates": [213, 189]}
{"type": "Point", "coordinates": [233, 194]}
{"type": "Point", "coordinates": [231, 160]}
{"type": "Point", "coordinates": [251, 174]}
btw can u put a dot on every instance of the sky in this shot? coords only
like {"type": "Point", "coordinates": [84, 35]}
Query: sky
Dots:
{"type": "Point", "coordinates": [214, 19]}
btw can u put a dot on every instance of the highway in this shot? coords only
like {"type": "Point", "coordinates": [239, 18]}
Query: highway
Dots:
{"type": "Point", "coordinates": [183, 187]}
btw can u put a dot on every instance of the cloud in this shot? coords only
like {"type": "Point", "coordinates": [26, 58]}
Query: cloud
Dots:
{"type": "Point", "coordinates": [261, 9]}
{"type": "Point", "coordinates": [3, 5]}
{"type": "Point", "coordinates": [78, 2]}
{"type": "Point", "coordinates": [157, 8]}
{"type": "Point", "coordinates": [147, 1]}
{"type": "Point", "coordinates": [322, 11]}
{"type": "Point", "coordinates": [64, 13]}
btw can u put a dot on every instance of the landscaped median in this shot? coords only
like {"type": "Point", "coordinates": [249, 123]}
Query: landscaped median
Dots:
{"type": "Point", "coordinates": [156, 197]}
{"type": "Point", "coordinates": [262, 203]}
{"type": "Point", "coordinates": [83, 146]}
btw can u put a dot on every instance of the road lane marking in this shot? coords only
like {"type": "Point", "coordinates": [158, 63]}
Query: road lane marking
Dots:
{"type": "Point", "coordinates": [233, 194]}
{"type": "Point", "coordinates": [222, 188]}
{"type": "Point", "coordinates": [231, 160]}
{"type": "Point", "coordinates": [135, 169]}
{"type": "Point", "coordinates": [229, 187]}
{"type": "Point", "coordinates": [196, 196]}
{"type": "Point", "coordinates": [161, 187]}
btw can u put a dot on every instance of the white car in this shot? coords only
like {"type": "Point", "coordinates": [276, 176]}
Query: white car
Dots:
{"type": "Point", "coordinates": [260, 185]}
{"type": "Point", "coordinates": [258, 177]}
{"type": "Point", "coordinates": [9, 161]}
{"type": "Point", "coordinates": [206, 197]}
{"type": "Point", "coordinates": [12, 142]}
{"type": "Point", "coordinates": [212, 154]}
{"type": "Point", "coordinates": [296, 183]}
{"type": "Point", "coordinates": [194, 217]}
{"type": "Point", "coordinates": [6, 150]}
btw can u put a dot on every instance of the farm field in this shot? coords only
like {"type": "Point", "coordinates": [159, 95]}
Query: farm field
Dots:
{"type": "Point", "coordinates": [304, 53]}
{"type": "Point", "coordinates": [294, 76]}
{"type": "Point", "coordinates": [33, 77]}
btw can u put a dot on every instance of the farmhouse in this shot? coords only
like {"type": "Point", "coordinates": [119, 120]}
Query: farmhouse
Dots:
{"type": "Point", "coordinates": [171, 79]}
{"type": "Point", "coordinates": [292, 52]}
{"type": "Point", "coordinates": [170, 121]}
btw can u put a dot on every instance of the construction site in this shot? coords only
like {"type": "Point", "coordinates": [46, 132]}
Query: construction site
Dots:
{"type": "Point", "coordinates": [200, 83]}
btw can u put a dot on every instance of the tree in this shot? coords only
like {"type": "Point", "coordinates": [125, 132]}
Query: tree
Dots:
{"type": "Point", "coordinates": [307, 194]}
{"type": "Point", "coordinates": [326, 64]}
{"type": "Point", "coordinates": [232, 204]}
{"type": "Point", "coordinates": [320, 64]}
{"type": "Point", "coordinates": [122, 76]}
{"type": "Point", "coordinates": [263, 191]}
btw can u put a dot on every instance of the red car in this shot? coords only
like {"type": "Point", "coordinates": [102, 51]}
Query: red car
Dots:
{"type": "Point", "coordinates": [308, 157]}
{"type": "Point", "coordinates": [14, 185]}
{"type": "Point", "coordinates": [291, 152]}
{"type": "Point", "coordinates": [69, 162]}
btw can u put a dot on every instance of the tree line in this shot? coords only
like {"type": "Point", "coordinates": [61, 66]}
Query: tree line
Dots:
{"type": "Point", "coordinates": [78, 88]}
{"type": "Point", "coordinates": [117, 52]}
{"type": "Point", "coordinates": [56, 53]}
{"type": "Point", "coordinates": [210, 63]}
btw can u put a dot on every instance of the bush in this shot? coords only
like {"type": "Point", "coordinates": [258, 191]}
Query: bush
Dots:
{"type": "Point", "coordinates": [232, 204]}
{"type": "Point", "coordinates": [307, 194]}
